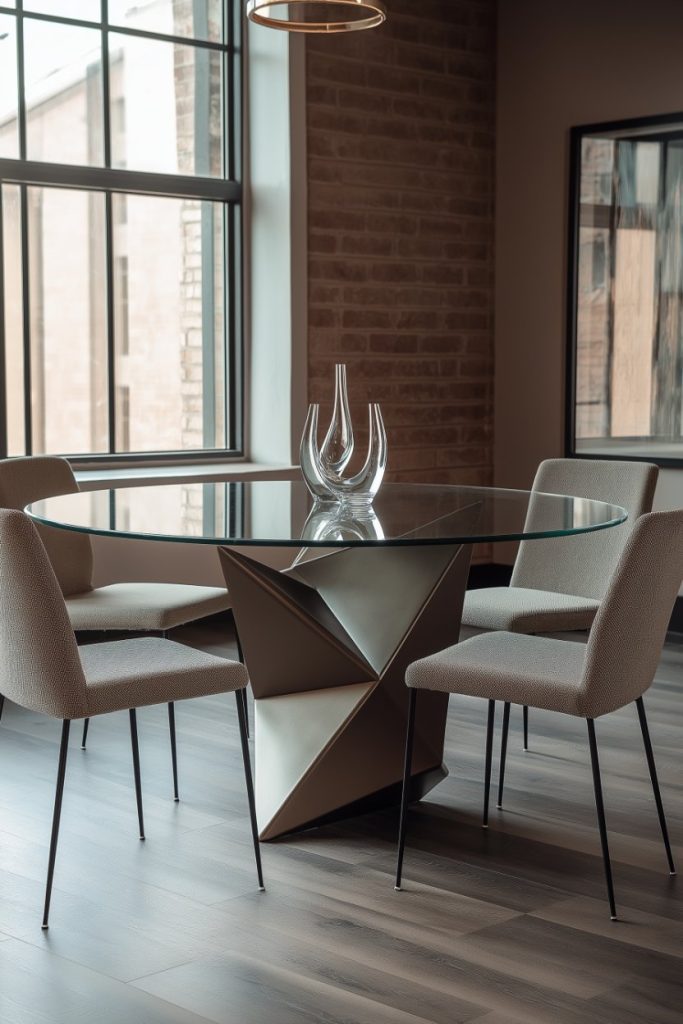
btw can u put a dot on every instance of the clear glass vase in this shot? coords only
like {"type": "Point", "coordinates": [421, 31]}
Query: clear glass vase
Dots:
{"type": "Point", "coordinates": [357, 492]}
{"type": "Point", "coordinates": [323, 466]}
{"type": "Point", "coordinates": [309, 458]}
{"type": "Point", "coordinates": [337, 448]}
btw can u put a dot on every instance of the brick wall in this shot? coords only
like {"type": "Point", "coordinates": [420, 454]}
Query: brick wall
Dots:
{"type": "Point", "coordinates": [400, 169]}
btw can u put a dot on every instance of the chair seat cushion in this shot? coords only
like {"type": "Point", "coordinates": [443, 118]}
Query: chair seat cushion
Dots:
{"type": "Point", "coordinates": [521, 610]}
{"type": "Point", "coordinates": [538, 671]}
{"type": "Point", "coordinates": [144, 606]}
{"type": "Point", "coordinates": [135, 673]}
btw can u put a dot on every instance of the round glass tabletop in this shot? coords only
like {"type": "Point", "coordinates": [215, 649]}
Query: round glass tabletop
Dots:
{"type": "Point", "coordinates": [272, 513]}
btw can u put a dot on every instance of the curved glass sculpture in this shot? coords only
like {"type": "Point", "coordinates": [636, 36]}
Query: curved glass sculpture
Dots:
{"type": "Point", "coordinates": [309, 458]}
{"type": "Point", "coordinates": [337, 448]}
{"type": "Point", "coordinates": [356, 492]}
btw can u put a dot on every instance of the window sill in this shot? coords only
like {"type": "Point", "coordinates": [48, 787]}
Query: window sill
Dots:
{"type": "Point", "coordinates": [208, 472]}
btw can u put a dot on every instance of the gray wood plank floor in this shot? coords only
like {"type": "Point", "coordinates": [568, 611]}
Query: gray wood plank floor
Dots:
{"type": "Point", "coordinates": [509, 925]}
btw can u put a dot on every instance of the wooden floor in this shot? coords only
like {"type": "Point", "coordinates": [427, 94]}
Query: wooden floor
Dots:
{"type": "Point", "coordinates": [494, 927]}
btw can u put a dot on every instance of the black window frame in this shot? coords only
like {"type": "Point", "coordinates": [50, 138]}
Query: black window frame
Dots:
{"type": "Point", "coordinates": [109, 181]}
{"type": "Point", "coordinates": [637, 129]}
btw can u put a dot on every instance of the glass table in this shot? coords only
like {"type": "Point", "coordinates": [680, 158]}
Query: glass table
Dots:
{"type": "Point", "coordinates": [328, 640]}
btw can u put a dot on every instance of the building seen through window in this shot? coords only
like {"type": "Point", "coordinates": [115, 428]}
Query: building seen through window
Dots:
{"type": "Point", "coordinates": [120, 227]}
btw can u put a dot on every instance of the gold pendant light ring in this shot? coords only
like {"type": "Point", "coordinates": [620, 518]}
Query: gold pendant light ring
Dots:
{"type": "Point", "coordinates": [317, 16]}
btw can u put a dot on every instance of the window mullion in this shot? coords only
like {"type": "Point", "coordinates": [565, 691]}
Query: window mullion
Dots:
{"type": "Point", "coordinates": [106, 105]}
{"type": "Point", "coordinates": [3, 370]}
{"type": "Point", "coordinates": [111, 355]}
{"type": "Point", "coordinates": [26, 322]}
{"type": "Point", "coordinates": [232, 293]}
{"type": "Point", "coordinates": [152, 183]}
{"type": "Point", "coordinates": [228, 377]}
{"type": "Point", "coordinates": [21, 86]}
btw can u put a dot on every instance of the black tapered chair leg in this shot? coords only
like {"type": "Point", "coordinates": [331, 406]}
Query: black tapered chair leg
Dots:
{"type": "Point", "coordinates": [2, 705]}
{"type": "Point", "coordinates": [174, 751]}
{"type": "Point", "coordinates": [240, 658]}
{"type": "Point", "coordinates": [503, 751]}
{"type": "Point", "coordinates": [250, 786]}
{"type": "Point", "coordinates": [525, 715]}
{"type": "Point", "coordinates": [56, 816]}
{"type": "Point", "coordinates": [136, 768]}
{"type": "Point", "coordinates": [407, 765]}
{"type": "Point", "coordinates": [86, 724]}
{"type": "Point", "coordinates": [655, 782]}
{"type": "Point", "coordinates": [245, 705]}
{"type": "Point", "coordinates": [602, 825]}
{"type": "Point", "coordinates": [489, 759]}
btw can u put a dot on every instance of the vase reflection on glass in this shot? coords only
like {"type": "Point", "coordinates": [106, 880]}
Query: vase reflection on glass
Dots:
{"type": "Point", "coordinates": [323, 467]}
{"type": "Point", "coordinates": [327, 522]}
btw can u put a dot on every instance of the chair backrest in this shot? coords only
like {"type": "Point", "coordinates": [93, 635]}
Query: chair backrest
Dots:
{"type": "Point", "coordinates": [39, 663]}
{"type": "Point", "coordinates": [630, 628]}
{"type": "Point", "coordinates": [583, 563]}
{"type": "Point", "coordinates": [25, 480]}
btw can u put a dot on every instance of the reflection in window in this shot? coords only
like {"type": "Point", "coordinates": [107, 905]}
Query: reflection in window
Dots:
{"type": "Point", "coordinates": [168, 281]}
{"type": "Point", "coordinates": [155, 83]}
{"type": "Point", "coordinates": [63, 85]}
{"type": "Point", "coordinates": [9, 137]}
{"type": "Point", "coordinates": [201, 19]}
{"type": "Point", "coordinates": [14, 321]}
{"type": "Point", "coordinates": [629, 294]}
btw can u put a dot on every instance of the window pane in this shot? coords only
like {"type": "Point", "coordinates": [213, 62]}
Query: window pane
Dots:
{"type": "Point", "coordinates": [169, 329]}
{"type": "Point", "coordinates": [63, 72]}
{"type": "Point", "coordinates": [9, 138]}
{"type": "Point", "coordinates": [14, 321]}
{"type": "Point", "coordinates": [87, 10]}
{"type": "Point", "coordinates": [199, 19]}
{"type": "Point", "coordinates": [629, 343]}
{"type": "Point", "coordinates": [597, 170]}
{"type": "Point", "coordinates": [68, 321]}
{"type": "Point", "coordinates": [593, 332]}
{"type": "Point", "coordinates": [167, 97]}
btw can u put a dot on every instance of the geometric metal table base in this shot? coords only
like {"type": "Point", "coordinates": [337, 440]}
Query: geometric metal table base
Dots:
{"type": "Point", "coordinates": [326, 644]}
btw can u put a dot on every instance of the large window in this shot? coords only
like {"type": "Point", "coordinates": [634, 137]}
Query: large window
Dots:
{"type": "Point", "coordinates": [119, 228]}
{"type": "Point", "coordinates": [626, 291]}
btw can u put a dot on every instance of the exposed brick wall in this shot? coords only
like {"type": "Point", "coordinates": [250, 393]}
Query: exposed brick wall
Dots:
{"type": "Point", "coordinates": [400, 170]}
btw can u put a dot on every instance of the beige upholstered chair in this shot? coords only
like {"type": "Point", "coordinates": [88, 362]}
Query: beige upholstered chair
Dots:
{"type": "Point", "coordinates": [557, 584]}
{"type": "Point", "coordinates": [45, 671]}
{"type": "Point", "coordinates": [587, 680]}
{"type": "Point", "coordinates": [119, 607]}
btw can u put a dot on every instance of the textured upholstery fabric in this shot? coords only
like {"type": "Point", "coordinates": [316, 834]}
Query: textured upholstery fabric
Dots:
{"type": "Point", "coordinates": [39, 663]}
{"type": "Point", "coordinates": [25, 480]}
{"type": "Point", "coordinates": [615, 667]}
{"type": "Point", "coordinates": [583, 564]}
{"type": "Point", "coordinates": [121, 606]}
{"type": "Point", "coordinates": [135, 673]}
{"type": "Point", "coordinates": [537, 671]}
{"type": "Point", "coordinates": [630, 628]}
{"type": "Point", "coordinates": [144, 606]}
{"type": "Point", "coordinates": [522, 610]}
{"type": "Point", "coordinates": [578, 567]}
{"type": "Point", "coordinates": [41, 666]}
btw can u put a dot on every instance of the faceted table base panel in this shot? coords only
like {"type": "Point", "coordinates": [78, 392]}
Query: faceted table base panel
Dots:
{"type": "Point", "coordinates": [327, 644]}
